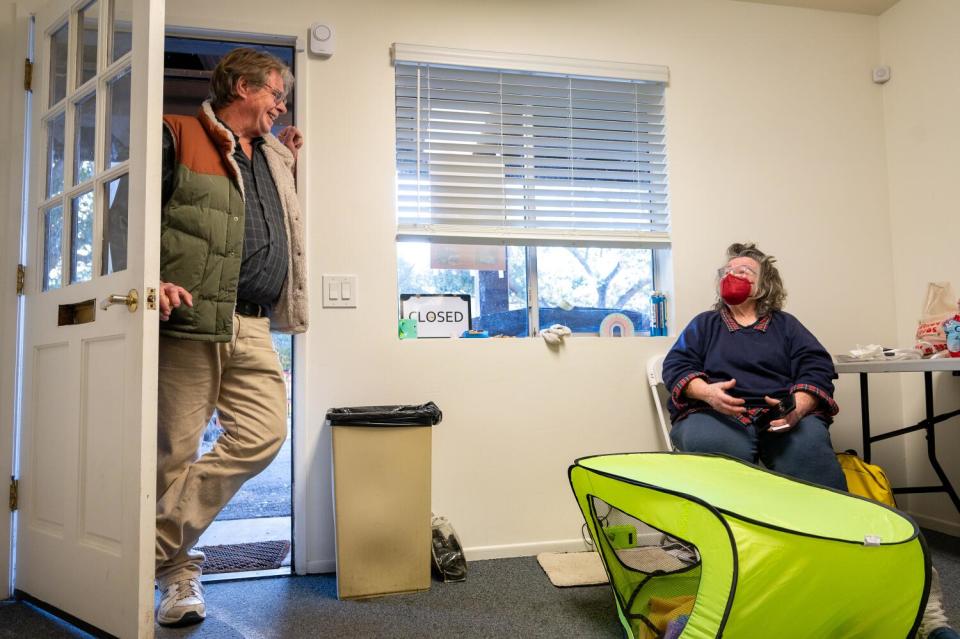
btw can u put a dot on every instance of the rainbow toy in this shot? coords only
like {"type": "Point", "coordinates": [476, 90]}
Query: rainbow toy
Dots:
{"type": "Point", "coordinates": [616, 325]}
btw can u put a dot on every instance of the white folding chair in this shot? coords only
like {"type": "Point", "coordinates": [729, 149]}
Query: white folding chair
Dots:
{"type": "Point", "coordinates": [660, 396]}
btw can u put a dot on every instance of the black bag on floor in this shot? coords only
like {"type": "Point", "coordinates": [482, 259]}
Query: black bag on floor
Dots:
{"type": "Point", "coordinates": [448, 559]}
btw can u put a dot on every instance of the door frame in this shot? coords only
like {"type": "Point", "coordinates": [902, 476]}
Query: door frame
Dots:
{"type": "Point", "coordinates": [12, 307]}
{"type": "Point", "coordinates": [300, 534]}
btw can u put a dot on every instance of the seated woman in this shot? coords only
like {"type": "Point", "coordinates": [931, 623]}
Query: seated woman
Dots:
{"type": "Point", "coordinates": [732, 366]}
{"type": "Point", "coordinates": [749, 381]}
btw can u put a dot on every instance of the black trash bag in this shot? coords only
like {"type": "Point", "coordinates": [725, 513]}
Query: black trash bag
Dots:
{"type": "Point", "coordinates": [448, 559]}
{"type": "Point", "coordinates": [422, 415]}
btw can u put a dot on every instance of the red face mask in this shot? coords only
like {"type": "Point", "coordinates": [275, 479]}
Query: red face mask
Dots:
{"type": "Point", "coordinates": [734, 290]}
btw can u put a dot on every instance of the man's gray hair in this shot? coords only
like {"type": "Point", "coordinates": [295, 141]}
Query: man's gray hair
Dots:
{"type": "Point", "coordinates": [249, 64]}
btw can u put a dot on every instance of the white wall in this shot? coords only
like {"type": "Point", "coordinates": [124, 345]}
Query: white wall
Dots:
{"type": "Point", "coordinates": [921, 102]}
{"type": "Point", "coordinates": [775, 135]}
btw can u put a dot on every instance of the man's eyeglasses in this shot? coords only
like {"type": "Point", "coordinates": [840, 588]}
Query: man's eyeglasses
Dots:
{"type": "Point", "coordinates": [278, 95]}
{"type": "Point", "coordinates": [738, 271]}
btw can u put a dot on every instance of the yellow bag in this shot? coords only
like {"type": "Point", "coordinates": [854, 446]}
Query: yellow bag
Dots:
{"type": "Point", "coordinates": [866, 480]}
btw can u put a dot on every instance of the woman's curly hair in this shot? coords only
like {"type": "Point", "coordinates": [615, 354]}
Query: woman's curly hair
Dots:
{"type": "Point", "coordinates": [770, 292]}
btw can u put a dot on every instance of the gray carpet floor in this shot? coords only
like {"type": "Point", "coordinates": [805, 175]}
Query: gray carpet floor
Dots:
{"type": "Point", "coordinates": [501, 598]}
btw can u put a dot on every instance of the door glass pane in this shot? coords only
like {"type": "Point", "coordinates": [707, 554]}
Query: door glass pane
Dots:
{"type": "Point", "coordinates": [120, 34]}
{"type": "Point", "coordinates": [55, 155]}
{"type": "Point", "coordinates": [52, 247]}
{"type": "Point", "coordinates": [84, 130]}
{"type": "Point", "coordinates": [118, 126]}
{"type": "Point", "coordinates": [88, 19]}
{"type": "Point", "coordinates": [115, 225]}
{"type": "Point", "coordinates": [81, 235]}
{"type": "Point", "coordinates": [58, 65]}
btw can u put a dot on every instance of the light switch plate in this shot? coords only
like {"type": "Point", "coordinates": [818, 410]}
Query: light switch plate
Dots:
{"type": "Point", "coordinates": [339, 291]}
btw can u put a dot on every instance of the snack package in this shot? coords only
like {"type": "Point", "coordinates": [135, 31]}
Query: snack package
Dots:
{"type": "Point", "coordinates": [939, 306]}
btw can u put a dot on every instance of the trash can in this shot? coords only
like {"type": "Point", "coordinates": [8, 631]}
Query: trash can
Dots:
{"type": "Point", "coordinates": [381, 496]}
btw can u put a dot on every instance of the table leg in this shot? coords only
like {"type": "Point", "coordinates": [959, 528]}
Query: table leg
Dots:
{"type": "Point", "coordinates": [932, 440]}
{"type": "Point", "coordinates": [865, 416]}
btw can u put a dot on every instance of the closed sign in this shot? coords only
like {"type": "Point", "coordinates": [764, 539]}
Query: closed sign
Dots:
{"type": "Point", "coordinates": [437, 315]}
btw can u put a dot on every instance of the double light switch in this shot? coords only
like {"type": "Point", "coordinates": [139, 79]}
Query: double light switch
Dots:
{"type": "Point", "coordinates": [340, 291]}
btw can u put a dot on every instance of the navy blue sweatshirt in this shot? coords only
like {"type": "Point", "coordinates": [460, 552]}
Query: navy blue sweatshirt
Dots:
{"type": "Point", "coordinates": [775, 356]}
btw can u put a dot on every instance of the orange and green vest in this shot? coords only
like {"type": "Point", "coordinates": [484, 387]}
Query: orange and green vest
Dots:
{"type": "Point", "coordinates": [201, 236]}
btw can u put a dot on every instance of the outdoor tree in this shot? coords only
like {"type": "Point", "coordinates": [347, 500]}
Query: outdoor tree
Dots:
{"type": "Point", "coordinates": [594, 277]}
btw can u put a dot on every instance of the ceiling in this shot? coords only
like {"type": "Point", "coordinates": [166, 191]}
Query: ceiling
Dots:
{"type": "Point", "coordinates": [867, 7]}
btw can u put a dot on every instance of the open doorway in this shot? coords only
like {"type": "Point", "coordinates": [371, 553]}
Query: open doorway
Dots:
{"type": "Point", "coordinates": [252, 535]}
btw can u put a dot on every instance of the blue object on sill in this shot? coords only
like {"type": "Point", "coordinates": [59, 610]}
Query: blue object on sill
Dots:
{"type": "Point", "coordinates": [658, 303]}
{"type": "Point", "coordinates": [475, 334]}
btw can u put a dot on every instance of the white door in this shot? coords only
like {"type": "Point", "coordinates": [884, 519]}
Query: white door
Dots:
{"type": "Point", "coordinates": [85, 528]}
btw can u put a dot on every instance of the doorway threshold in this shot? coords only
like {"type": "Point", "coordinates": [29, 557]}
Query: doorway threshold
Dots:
{"type": "Point", "coordinates": [282, 571]}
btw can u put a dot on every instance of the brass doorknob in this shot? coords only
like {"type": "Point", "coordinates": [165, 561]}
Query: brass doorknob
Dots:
{"type": "Point", "coordinates": [131, 300]}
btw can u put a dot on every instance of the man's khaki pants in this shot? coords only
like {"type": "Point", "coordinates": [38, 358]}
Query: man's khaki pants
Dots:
{"type": "Point", "coordinates": [243, 381]}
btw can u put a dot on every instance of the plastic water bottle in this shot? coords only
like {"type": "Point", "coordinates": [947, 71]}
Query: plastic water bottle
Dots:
{"type": "Point", "coordinates": [951, 329]}
{"type": "Point", "coordinates": [658, 305]}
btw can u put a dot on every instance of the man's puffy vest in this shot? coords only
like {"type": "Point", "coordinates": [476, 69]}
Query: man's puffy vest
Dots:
{"type": "Point", "coordinates": [201, 243]}
{"type": "Point", "coordinates": [201, 236]}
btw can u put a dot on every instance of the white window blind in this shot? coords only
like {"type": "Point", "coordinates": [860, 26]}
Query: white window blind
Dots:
{"type": "Point", "coordinates": [529, 158]}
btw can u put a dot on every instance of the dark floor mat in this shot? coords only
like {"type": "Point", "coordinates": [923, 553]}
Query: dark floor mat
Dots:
{"type": "Point", "coordinates": [260, 555]}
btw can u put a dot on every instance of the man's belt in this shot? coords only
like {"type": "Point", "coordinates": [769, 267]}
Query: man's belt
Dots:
{"type": "Point", "coordinates": [251, 310]}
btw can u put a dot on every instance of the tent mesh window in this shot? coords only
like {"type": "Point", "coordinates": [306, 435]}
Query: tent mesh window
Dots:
{"type": "Point", "coordinates": [660, 574]}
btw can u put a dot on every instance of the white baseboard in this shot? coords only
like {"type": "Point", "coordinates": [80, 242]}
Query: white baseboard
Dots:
{"type": "Point", "coordinates": [477, 553]}
{"type": "Point", "coordinates": [506, 551]}
{"type": "Point", "coordinates": [935, 523]}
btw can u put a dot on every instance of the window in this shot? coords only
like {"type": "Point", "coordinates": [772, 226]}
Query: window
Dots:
{"type": "Point", "coordinates": [86, 122]}
{"type": "Point", "coordinates": [539, 192]}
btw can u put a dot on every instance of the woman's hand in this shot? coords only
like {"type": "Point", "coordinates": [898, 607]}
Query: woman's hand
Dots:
{"type": "Point", "coordinates": [805, 403]}
{"type": "Point", "coordinates": [171, 296]}
{"type": "Point", "coordinates": [716, 396]}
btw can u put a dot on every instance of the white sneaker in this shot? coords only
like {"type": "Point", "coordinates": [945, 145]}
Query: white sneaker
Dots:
{"type": "Point", "coordinates": [934, 623]}
{"type": "Point", "coordinates": [181, 604]}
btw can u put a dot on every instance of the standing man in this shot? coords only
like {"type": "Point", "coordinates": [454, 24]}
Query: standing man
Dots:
{"type": "Point", "coordinates": [232, 267]}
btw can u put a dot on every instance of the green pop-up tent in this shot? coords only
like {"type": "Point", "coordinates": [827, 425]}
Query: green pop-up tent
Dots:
{"type": "Point", "coordinates": [736, 551]}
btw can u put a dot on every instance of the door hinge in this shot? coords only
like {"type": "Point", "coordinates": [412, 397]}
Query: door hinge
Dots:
{"type": "Point", "coordinates": [21, 278]}
{"type": "Point", "coordinates": [14, 493]}
{"type": "Point", "coordinates": [27, 75]}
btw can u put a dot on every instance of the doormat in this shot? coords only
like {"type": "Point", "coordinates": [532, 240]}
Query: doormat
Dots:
{"type": "Point", "coordinates": [260, 555]}
{"type": "Point", "coordinates": [566, 569]}
{"type": "Point", "coordinates": [585, 568]}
